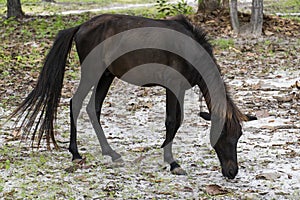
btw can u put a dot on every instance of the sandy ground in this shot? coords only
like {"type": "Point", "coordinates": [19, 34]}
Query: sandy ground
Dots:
{"type": "Point", "coordinates": [133, 120]}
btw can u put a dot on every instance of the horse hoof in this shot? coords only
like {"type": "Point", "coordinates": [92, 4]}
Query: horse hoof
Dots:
{"type": "Point", "coordinates": [76, 161]}
{"type": "Point", "coordinates": [118, 160]}
{"type": "Point", "coordinates": [178, 171]}
{"type": "Point", "coordinates": [79, 161]}
{"type": "Point", "coordinates": [115, 157]}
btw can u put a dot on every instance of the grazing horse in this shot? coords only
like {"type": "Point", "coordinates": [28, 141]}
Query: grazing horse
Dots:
{"type": "Point", "coordinates": [38, 111]}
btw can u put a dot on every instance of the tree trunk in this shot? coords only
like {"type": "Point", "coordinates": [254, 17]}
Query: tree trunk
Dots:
{"type": "Point", "coordinates": [14, 8]}
{"type": "Point", "coordinates": [225, 4]}
{"type": "Point", "coordinates": [234, 16]}
{"type": "Point", "coordinates": [256, 17]}
{"type": "Point", "coordinates": [51, 1]}
{"type": "Point", "coordinates": [208, 5]}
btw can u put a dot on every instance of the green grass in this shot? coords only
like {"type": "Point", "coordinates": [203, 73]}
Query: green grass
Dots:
{"type": "Point", "coordinates": [223, 43]}
{"type": "Point", "coordinates": [24, 44]}
{"type": "Point", "coordinates": [84, 1]}
{"type": "Point", "coordinates": [36, 6]}
{"type": "Point", "coordinates": [284, 6]}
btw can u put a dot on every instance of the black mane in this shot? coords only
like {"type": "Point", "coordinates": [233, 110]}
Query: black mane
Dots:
{"type": "Point", "coordinates": [199, 33]}
{"type": "Point", "coordinates": [234, 116]}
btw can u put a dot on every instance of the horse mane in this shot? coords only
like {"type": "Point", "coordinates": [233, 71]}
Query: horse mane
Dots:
{"type": "Point", "coordinates": [199, 34]}
{"type": "Point", "coordinates": [234, 116]}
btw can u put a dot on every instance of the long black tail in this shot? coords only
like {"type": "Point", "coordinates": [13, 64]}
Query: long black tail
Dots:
{"type": "Point", "coordinates": [37, 112]}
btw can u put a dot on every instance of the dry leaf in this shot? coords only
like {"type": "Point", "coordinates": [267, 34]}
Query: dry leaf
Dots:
{"type": "Point", "coordinates": [80, 178]}
{"type": "Point", "coordinates": [272, 128]}
{"type": "Point", "coordinates": [268, 176]}
{"type": "Point", "coordinates": [139, 159]}
{"type": "Point", "coordinates": [296, 85]}
{"type": "Point", "coordinates": [215, 190]}
{"type": "Point", "coordinates": [72, 168]}
{"type": "Point", "coordinates": [262, 114]}
{"type": "Point", "coordinates": [148, 105]}
{"type": "Point", "coordinates": [140, 149]}
{"type": "Point", "coordinates": [268, 33]}
{"type": "Point", "coordinates": [235, 50]}
{"type": "Point", "coordinates": [187, 189]}
{"type": "Point", "coordinates": [284, 98]}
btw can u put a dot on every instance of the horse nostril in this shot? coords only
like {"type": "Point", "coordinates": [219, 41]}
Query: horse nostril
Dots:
{"type": "Point", "coordinates": [231, 173]}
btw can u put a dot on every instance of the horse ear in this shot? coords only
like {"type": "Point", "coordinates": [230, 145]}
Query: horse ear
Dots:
{"type": "Point", "coordinates": [251, 118]}
{"type": "Point", "coordinates": [206, 116]}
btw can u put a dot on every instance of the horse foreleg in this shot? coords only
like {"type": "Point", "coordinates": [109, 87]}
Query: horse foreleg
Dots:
{"type": "Point", "coordinates": [174, 117]}
{"type": "Point", "coordinates": [168, 157]}
{"type": "Point", "coordinates": [94, 110]}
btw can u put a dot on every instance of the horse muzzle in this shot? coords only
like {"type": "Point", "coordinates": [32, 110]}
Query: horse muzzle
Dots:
{"type": "Point", "coordinates": [230, 170]}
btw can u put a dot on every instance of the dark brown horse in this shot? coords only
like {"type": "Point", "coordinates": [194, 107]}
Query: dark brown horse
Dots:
{"type": "Point", "coordinates": [38, 110]}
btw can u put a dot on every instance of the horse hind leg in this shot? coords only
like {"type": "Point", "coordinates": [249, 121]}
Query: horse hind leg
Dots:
{"type": "Point", "coordinates": [94, 110]}
{"type": "Point", "coordinates": [75, 107]}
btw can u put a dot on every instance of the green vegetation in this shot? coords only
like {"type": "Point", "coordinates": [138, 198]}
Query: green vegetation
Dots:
{"type": "Point", "coordinates": [101, 2]}
{"type": "Point", "coordinates": [223, 43]}
{"type": "Point", "coordinates": [165, 8]}
{"type": "Point", "coordinates": [26, 42]}
{"type": "Point", "coordinates": [38, 7]}
{"type": "Point", "coordinates": [284, 6]}
{"type": "Point", "coordinates": [42, 175]}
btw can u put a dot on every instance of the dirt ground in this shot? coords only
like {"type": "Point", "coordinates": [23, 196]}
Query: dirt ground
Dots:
{"type": "Point", "coordinates": [261, 73]}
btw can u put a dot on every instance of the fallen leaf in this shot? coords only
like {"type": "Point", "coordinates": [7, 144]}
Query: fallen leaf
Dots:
{"type": "Point", "coordinates": [139, 159]}
{"type": "Point", "coordinates": [268, 176]}
{"type": "Point", "coordinates": [235, 50]}
{"type": "Point", "coordinates": [284, 98]}
{"type": "Point", "coordinates": [72, 168]}
{"type": "Point", "coordinates": [148, 105]}
{"type": "Point", "coordinates": [80, 178]}
{"type": "Point", "coordinates": [187, 189]}
{"type": "Point", "coordinates": [262, 114]}
{"type": "Point", "coordinates": [268, 127]}
{"type": "Point", "coordinates": [111, 186]}
{"type": "Point", "coordinates": [215, 190]}
{"type": "Point", "coordinates": [268, 33]}
{"type": "Point", "coordinates": [79, 161]}
{"type": "Point", "coordinates": [296, 85]}
{"type": "Point", "coordinates": [140, 149]}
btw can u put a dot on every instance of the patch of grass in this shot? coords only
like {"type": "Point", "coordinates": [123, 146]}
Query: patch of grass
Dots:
{"type": "Point", "coordinates": [37, 6]}
{"type": "Point", "coordinates": [267, 42]}
{"type": "Point", "coordinates": [166, 8]}
{"type": "Point", "coordinates": [145, 12]}
{"type": "Point", "coordinates": [223, 43]}
{"type": "Point", "coordinates": [284, 6]}
{"type": "Point", "coordinates": [26, 42]}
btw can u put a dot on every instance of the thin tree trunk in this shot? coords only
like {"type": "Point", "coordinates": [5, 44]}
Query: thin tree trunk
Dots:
{"type": "Point", "coordinates": [234, 16]}
{"type": "Point", "coordinates": [256, 17]}
{"type": "Point", "coordinates": [14, 8]}
{"type": "Point", "coordinates": [225, 4]}
{"type": "Point", "coordinates": [208, 5]}
{"type": "Point", "coordinates": [51, 1]}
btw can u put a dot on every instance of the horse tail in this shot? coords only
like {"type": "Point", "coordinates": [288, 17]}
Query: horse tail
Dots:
{"type": "Point", "coordinates": [38, 111]}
